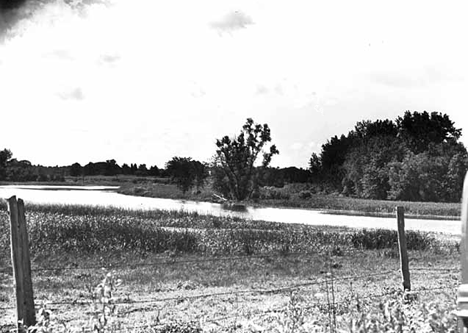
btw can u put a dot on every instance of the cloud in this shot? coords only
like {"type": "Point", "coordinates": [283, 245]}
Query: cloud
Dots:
{"type": "Point", "coordinates": [75, 94]}
{"type": "Point", "coordinates": [232, 21]}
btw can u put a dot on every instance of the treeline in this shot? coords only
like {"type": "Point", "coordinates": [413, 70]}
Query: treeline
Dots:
{"type": "Point", "coordinates": [183, 171]}
{"type": "Point", "coordinates": [111, 168]}
{"type": "Point", "coordinates": [417, 157]}
{"type": "Point", "coordinates": [12, 169]}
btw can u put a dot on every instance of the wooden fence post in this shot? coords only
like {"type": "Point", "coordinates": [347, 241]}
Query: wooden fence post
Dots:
{"type": "Point", "coordinates": [462, 299]}
{"type": "Point", "coordinates": [25, 312]}
{"type": "Point", "coordinates": [403, 248]}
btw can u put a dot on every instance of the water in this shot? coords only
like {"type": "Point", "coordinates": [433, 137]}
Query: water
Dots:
{"type": "Point", "coordinates": [105, 196]}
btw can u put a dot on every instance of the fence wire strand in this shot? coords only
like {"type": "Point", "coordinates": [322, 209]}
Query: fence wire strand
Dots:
{"type": "Point", "coordinates": [166, 261]}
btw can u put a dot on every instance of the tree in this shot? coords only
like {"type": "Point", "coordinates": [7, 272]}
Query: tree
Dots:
{"type": "Point", "coordinates": [90, 169]}
{"type": "Point", "coordinates": [126, 169]}
{"type": "Point", "coordinates": [142, 171]}
{"type": "Point", "coordinates": [5, 157]}
{"type": "Point", "coordinates": [236, 158]}
{"type": "Point", "coordinates": [433, 175]}
{"type": "Point", "coordinates": [417, 157]}
{"type": "Point", "coordinates": [154, 171]}
{"type": "Point", "coordinates": [20, 171]}
{"type": "Point", "coordinates": [76, 170]}
{"type": "Point", "coordinates": [418, 130]}
{"type": "Point", "coordinates": [186, 173]}
{"type": "Point", "coordinates": [111, 168]}
{"type": "Point", "coordinates": [366, 166]}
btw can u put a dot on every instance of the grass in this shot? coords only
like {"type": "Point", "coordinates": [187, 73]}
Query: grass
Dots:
{"type": "Point", "coordinates": [167, 259]}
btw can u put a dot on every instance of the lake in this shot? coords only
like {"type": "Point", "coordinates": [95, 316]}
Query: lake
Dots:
{"type": "Point", "coordinates": [106, 196]}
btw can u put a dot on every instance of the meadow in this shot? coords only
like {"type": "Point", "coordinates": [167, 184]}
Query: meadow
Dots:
{"type": "Point", "coordinates": [163, 271]}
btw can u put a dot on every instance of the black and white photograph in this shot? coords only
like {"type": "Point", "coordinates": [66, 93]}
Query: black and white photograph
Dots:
{"type": "Point", "coordinates": [233, 166]}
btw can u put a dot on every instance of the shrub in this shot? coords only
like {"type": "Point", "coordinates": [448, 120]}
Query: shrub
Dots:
{"type": "Point", "coordinates": [383, 239]}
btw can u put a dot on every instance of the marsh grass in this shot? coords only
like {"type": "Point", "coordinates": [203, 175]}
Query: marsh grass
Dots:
{"type": "Point", "coordinates": [87, 229]}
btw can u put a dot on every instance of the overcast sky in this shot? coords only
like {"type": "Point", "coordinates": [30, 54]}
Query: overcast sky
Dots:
{"type": "Point", "coordinates": [141, 81]}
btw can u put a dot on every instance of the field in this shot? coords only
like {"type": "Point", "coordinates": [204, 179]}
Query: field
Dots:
{"type": "Point", "coordinates": [180, 272]}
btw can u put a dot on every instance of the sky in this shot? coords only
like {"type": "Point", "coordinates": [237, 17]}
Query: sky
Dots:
{"type": "Point", "coordinates": [142, 81]}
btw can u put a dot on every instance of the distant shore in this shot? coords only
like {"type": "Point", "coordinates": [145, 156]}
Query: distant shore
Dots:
{"type": "Point", "coordinates": [289, 196]}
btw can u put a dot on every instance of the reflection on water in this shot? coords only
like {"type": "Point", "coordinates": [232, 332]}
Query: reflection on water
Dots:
{"type": "Point", "coordinates": [104, 196]}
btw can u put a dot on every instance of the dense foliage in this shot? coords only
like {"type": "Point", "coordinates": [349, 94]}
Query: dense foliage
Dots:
{"type": "Point", "coordinates": [236, 174]}
{"type": "Point", "coordinates": [187, 173]}
{"type": "Point", "coordinates": [416, 158]}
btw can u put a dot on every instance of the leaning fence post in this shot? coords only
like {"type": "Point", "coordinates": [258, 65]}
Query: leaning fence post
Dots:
{"type": "Point", "coordinates": [403, 248]}
{"type": "Point", "coordinates": [25, 312]}
{"type": "Point", "coordinates": [462, 299]}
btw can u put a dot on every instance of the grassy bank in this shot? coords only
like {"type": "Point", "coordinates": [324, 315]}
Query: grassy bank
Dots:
{"type": "Point", "coordinates": [299, 196]}
{"type": "Point", "coordinates": [261, 276]}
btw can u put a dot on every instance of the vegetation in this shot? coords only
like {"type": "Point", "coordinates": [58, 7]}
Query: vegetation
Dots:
{"type": "Point", "coordinates": [235, 173]}
{"type": "Point", "coordinates": [13, 170]}
{"type": "Point", "coordinates": [187, 173]}
{"type": "Point", "coordinates": [151, 255]}
{"type": "Point", "coordinates": [416, 158]}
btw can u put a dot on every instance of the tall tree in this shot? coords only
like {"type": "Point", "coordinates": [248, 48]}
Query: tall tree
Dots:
{"type": "Point", "coordinates": [76, 170]}
{"type": "Point", "coordinates": [418, 129]}
{"type": "Point", "coordinates": [236, 158]}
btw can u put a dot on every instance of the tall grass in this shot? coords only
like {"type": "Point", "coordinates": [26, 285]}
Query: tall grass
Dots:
{"type": "Point", "coordinates": [85, 229]}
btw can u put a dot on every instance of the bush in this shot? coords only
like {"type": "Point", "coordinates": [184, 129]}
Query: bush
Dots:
{"type": "Point", "coordinates": [384, 239]}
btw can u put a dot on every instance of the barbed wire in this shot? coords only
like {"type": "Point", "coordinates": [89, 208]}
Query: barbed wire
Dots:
{"type": "Point", "coordinates": [169, 261]}
{"type": "Point", "coordinates": [218, 294]}
{"type": "Point", "coordinates": [322, 280]}
{"type": "Point", "coordinates": [439, 269]}
{"type": "Point", "coordinates": [7, 308]}
{"type": "Point", "coordinates": [328, 306]}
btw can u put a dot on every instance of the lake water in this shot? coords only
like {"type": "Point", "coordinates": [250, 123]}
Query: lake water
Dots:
{"type": "Point", "coordinates": [105, 196]}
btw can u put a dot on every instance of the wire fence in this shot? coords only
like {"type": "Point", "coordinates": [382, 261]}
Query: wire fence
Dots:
{"type": "Point", "coordinates": [332, 295]}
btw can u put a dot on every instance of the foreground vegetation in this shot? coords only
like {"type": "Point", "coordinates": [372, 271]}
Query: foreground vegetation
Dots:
{"type": "Point", "coordinates": [261, 276]}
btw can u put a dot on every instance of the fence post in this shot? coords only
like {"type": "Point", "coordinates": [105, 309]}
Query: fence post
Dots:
{"type": "Point", "coordinates": [462, 299]}
{"type": "Point", "coordinates": [403, 248]}
{"type": "Point", "coordinates": [25, 312]}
